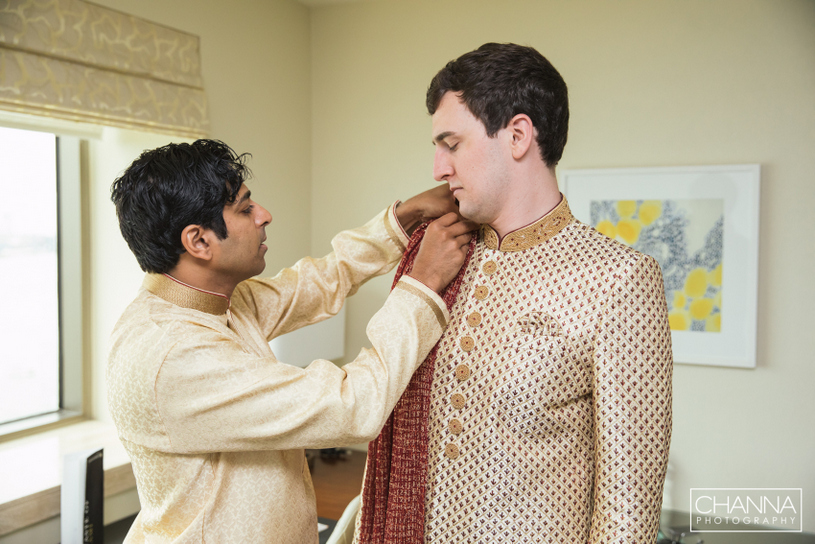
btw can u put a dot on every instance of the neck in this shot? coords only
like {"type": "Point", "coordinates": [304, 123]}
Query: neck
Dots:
{"type": "Point", "coordinates": [199, 278]}
{"type": "Point", "coordinates": [532, 197]}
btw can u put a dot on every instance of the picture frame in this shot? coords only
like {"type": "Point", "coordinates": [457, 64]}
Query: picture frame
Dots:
{"type": "Point", "coordinates": [701, 223]}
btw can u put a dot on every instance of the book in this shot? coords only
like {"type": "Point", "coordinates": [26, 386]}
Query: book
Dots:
{"type": "Point", "coordinates": [82, 498]}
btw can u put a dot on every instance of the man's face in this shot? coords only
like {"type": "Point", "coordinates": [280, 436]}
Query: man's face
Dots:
{"type": "Point", "coordinates": [240, 255]}
{"type": "Point", "coordinates": [474, 164]}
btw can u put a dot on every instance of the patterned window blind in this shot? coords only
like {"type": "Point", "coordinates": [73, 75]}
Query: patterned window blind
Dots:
{"type": "Point", "coordinates": [75, 60]}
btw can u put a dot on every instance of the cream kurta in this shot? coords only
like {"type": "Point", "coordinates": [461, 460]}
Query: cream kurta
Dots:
{"type": "Point", "coordinates": [550, 416]}
{"type": "Point", "coordinates": [215, 426]}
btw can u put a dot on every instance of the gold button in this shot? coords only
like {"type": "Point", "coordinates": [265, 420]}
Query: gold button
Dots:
{"type": "Point", "coordinates": [474, 319]}
{"type": "Point", "coordinates": [489, 268]}
{"type": "Point", "coordinates": [457, 400]}
{"type": "Point", "coordinates": [467, 343]}
{"type": "Point", "coordinates": [455, 426]}
{"type": "Point", "coordinates": [451, 451]}
{"type": "Point", "coordinates": [481, 292]}
{"type": "Point", "coordinates": [462, 372]}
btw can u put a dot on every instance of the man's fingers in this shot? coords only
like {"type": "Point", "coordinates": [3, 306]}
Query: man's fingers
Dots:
{"type": "Point", "coordinates": [462, 227]}
{"type": "Point", "coordinates": [456, 222]}
{"type": "Point", "coordinates": [469, 226]}
{"type": "Point", "coordinates": [451, 227]}
{"type": "Point", "coordinates": [464, 239]}
{"type": "Point", "coordinates": [447, 219]}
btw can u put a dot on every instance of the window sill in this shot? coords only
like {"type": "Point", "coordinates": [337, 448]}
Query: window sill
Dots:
{"type": "Point", "coordinates": [31, 471]}
{"type": "Point", "coordinates": [38, 424]}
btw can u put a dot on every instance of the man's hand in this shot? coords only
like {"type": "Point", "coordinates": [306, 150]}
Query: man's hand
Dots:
{"type": "Point", "coordinates": [425, 206]}
{"type": "Point", "coordinates": [442, 251]}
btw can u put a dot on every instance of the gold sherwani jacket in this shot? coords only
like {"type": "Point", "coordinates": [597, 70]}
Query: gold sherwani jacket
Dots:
{"type": "Point", "coordinates": [215, 426]}
{"type": "Point", "coordinates": [551, 401]}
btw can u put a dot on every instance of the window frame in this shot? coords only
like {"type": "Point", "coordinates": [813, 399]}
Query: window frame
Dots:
{"type": "Point", "coordinates": [71, 284]}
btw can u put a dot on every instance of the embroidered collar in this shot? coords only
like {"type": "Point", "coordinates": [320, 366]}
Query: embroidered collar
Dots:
{"type": "Point", "coordinates": [531, 235]}
{"type": "Point", "coordinates": [179, 293]}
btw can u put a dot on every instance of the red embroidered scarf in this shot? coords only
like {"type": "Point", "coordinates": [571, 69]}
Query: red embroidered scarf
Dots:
{"type": "Point", "coordinates": [396, 472]}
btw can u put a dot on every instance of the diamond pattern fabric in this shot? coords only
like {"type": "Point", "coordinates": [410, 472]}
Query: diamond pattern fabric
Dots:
{"type": "Point", "coordinates": [564, 416]}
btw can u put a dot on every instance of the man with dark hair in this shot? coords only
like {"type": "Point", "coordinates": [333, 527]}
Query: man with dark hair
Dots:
{"type": "Point", "coordinates": [546, 415]}
{"type": "Point", "coordinates": [214, 425]}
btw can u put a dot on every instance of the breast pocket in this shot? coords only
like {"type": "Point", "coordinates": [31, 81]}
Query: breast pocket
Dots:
{"type": "Point", "coordinates": [541, 371]}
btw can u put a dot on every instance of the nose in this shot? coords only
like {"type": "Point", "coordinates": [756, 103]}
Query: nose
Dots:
{"type": "Point", "coordinates": [442, 167]}
{"type": "Point", "coordinates": [263, 217]}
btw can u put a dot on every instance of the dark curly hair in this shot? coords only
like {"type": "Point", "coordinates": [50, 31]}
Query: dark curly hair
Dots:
{"type": "Point", "coordinates": [498, 81]}
{"type": "Point", "coordinates": [168, 188]}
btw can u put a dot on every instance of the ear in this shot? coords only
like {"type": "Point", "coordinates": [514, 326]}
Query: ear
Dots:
{"type": "Point", "coordinates": [197, 242]}
{"type": "Point", "coordinates": [522, 134]}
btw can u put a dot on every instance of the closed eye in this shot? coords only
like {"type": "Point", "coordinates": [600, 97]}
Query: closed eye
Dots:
{"type": "Point", "coordinates": [248, 209]}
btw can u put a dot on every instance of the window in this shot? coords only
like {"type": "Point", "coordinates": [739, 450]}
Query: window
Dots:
{"type": "Point", "coordinates": [40, 261]}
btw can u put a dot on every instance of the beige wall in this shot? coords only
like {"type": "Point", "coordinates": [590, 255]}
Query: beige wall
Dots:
{"type": "Point", "coordinates": [255, 57]}
{"type": "Point", "coordinates": [331, 102]}
{"type": "Point", "coordinates": [652, 84]}
{"type": "Point", "coordinates": [256, 69]}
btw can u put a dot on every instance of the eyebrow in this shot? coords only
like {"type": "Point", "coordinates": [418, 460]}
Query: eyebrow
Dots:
{"type": "Point", "coordinates": [246, 196]}
{"type": "Point", "coordinates": [441, 137]}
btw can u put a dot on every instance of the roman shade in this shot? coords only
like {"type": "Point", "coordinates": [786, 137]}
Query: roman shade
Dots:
{"type": "Point", "coordinates": [71, 59]}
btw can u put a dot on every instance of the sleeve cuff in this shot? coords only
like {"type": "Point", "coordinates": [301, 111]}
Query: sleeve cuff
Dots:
{"type": "Point", "coordinates": [394, 228]}
{"type": "Point", "coordinates": [425, 293]}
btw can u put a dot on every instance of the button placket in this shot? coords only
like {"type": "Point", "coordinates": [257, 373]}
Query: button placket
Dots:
{"type": "Point", "coordinates": [458, 401]}
{"type": "Point", "coordinates": [462, 371]}
{"type": "Point", "coordinates": [474, 320]}
{"type": "Point", "coordinates": [451, 451]}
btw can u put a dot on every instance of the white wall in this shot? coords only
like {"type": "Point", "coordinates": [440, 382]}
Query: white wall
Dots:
{"type": "Point", "coordinates": [680, 82]}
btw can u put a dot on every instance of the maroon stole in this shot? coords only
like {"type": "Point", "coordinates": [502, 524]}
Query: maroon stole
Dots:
{"type": "Point", "coordinates": [396, 471]}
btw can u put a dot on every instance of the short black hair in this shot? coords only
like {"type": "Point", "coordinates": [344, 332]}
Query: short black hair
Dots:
{"type": "Point", "coordinates": [498, 81]}
{"type": "Point", "coordinates": [170, 187]}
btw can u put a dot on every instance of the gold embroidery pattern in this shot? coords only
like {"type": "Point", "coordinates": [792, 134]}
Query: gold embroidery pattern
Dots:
{"type": "Point", "coordinates": [462, 372]}
{"type": "Point", "coordinates": [533, 235]}
{"type": "Point", "coordinates": [451, 451]}
{"type": "Point", "coordinates": [489, 268]}
{"type": "Point", "coordinates": [474, 319]}
{"type": "Point", "coordinates": [481, 292]}
{"type": "Point", "coordinates": [185, 297]}
{"type": "Point", "coordinates": [457, 401]}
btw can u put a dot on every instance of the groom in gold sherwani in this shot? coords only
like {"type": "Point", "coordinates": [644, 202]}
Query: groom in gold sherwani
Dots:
{"type": "Point", "coordinates": [545, 413]}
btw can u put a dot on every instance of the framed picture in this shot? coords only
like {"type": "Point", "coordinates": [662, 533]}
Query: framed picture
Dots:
{"type": "Point", "coordinates": [701, 225]}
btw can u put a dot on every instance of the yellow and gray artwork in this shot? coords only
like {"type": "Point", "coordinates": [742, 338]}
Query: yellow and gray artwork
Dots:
{"type": "Point", "coordinates": [686, 238]}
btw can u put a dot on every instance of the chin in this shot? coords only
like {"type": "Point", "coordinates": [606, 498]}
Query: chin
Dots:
{"type": "Point", "coordinates": [473, 215]}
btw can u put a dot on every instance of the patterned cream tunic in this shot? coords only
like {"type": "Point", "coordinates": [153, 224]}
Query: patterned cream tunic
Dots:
{"type": "Point", "coordinates": [551, 403]}
{"type": "Point", "coordinates": [215, 426]}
